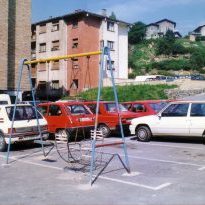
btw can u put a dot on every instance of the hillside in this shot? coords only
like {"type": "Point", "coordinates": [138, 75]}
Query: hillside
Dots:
{"type": "Point", "coordinates": [167, 57]}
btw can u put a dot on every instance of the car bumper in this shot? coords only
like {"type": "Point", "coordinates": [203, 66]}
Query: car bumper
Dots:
{"type": "Point", "coordinates": [22, 138]}
{"type": "Point", "coordinates": [132, 129]}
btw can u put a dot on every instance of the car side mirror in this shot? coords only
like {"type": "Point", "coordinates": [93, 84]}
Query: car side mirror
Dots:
{"type": "Point", "coordinates": [159, 116]}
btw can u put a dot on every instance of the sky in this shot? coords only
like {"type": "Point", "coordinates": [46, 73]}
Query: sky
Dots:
{"type": "Point", "coordinates": [188, 14]}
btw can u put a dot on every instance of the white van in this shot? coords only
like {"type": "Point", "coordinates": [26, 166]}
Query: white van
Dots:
{"type": "Point", "coordinates": [25, 125]}
{"type": "Point", "coordinates": [5, 99]}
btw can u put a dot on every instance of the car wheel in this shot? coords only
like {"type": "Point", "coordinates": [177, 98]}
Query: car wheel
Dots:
{"type": "Point", "coordinates": [143, 134]}
{"type": "Point", "coordinates": [3, 145]}
{"type": "Point", "coordinates": [105, 130]}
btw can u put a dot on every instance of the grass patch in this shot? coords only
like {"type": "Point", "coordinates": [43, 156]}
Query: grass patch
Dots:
{"type": "Point", "coordinates": [129, 92]}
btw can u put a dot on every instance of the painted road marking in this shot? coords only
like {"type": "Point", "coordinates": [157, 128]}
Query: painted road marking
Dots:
{"type": "Point", "coordinates": [171, 146]}
{"type": "Point", "coordinates": [102, 177]}
{"type": "Point", "coordinates": [162, 186]}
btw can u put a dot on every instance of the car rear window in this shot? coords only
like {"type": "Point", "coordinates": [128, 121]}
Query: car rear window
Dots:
{"type": "Point", "coordinates": [77, 109]}
{"type": "Point", "coordinates": [158, 106]}
{"type": "Point", "coordinates": [111, 107]}
{"type": "Point", "coordinates": [22, 113]}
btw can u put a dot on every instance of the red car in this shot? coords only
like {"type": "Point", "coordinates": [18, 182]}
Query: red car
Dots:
{"type": "Point", "coordinates": [146, 107]}
{"type": "Point", "coordinates": [64, 117]}
{"type": "Point", "coordinates": [108, 119]}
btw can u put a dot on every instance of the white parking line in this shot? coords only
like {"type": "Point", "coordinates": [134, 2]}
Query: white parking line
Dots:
{"type": "Point", "coordinates": [166, 161]}
{"type": "Point", "coordinates": [136, 184]}
{"type": "Point", "coordinates": [201, 169]}
{"type": "Point", "coordinates": [102, 177]}
{"type": "Point", "coordinates": [171, 146]}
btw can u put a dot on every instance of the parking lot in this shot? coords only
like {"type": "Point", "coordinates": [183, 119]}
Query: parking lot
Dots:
{"type": "Point", "coordinates": [163, 171]}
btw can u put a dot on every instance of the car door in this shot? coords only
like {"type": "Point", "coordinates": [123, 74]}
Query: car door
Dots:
{"type": "Point", "coordinates": [197, 119]}
{"type": "Point", "coordinates": [56, 118]}
{"type": "Point", "coordinates": [174, 120]}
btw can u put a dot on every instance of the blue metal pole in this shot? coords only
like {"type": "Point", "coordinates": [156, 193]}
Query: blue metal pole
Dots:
{"type": "Point", "coordinates": [100, 81]}
{"type": "Point", "coordinates": [21, 64]}
{"type": "Point", "coordinates": [35, 108]}
{"type": "Point", "coordinates": [107, 52]}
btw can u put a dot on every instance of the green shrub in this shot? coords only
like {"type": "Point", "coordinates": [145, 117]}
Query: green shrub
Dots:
{"type": "Point", "coordinates": [129, 92]}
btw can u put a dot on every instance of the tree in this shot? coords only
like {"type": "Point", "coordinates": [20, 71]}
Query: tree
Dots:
{"type": "Point", "coordinates": [137, 33]}
{"type": "Point", "coordinates": [112, 16]}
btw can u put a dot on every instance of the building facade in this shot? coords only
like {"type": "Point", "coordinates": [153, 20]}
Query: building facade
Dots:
{"type": "Point", "coordinates": [198, 32]}
{"type": "Point", "coordinates": [15, 38]}
{"type": "Point", "coordinates": [78, 32]}
{"type": "Point", "coordinates": [159, 29]}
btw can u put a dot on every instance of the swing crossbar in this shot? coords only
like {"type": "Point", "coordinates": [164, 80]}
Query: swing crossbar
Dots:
{"type": "Point", "coordinates": [43, 60]}
{"type": "Point", "coordinates": [109, 144]}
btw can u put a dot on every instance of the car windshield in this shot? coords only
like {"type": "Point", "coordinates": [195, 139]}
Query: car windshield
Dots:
{"type": "Point", "coordinates": [158, 106]}
{"type": "Point", "coordinates": [111, 107]}
{"type": "Point", "coordinates": [22, 113]}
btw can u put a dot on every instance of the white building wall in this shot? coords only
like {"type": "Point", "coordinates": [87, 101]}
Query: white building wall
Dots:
{"type": "Point", "coordinates": [203, 31]}
{"type": "Point", "coordinates": [120, 52]}
{"type": "Point", "coordinates": [165, 26]}
{"type": "Point", "coordinates": [61, 35]}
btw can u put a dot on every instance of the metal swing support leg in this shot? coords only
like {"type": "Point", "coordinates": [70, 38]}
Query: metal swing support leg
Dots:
{"type": "Point", "coordinates": [21, 66]}
{"type": "Point", "coordinates": [106, 52]}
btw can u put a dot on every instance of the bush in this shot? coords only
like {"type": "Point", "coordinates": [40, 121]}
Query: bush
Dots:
{"type": "Point", "coordinates": [130, 92]}
{"type": "Point", "coordinates": [198, 58]}
{"type": "Point", "coordinates": [180, 64]}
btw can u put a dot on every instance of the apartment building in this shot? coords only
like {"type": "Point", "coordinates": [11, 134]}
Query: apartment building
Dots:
{"type": "Point", "coordinates": [15, 34]}
{"type": "Point", "coordinates": [159, 29]}
{"type": "Point", "coordinates": [78, 32]}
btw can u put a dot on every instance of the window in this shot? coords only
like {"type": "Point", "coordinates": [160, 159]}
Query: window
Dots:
{"type": "Point", "coordinates": [198, 110]}
{"type": "Point", "coordinates": [55, 85]}
{"type": "Point", "coordinates": [77, 109]}
{"type": "Point", "coordinates": [42, 47]}
{"type": "Point", "coordinates": [176, 110]}
{"type": "Point", "coordinates": [75, 63]}
{"type": "Point", "coordinates": [41, 66]}
{"type": "Point", "coordinates": [42, 28]}
{"type": "Point", "coordinates": [101, 44]}
{"type": "Point", "coordinates": [42, 85]}
{"type": "Point", "coordinates": [74, 23]}
{"type": "Point", "coordinates": [110, 26]}
{"type": "Point", "coordinates": [55, 65]}
{"type": "Point", "coordinates": [75, 43]}
{"type": "Point", "coordinates": [55, 26]}
{"type": "Point", "coordinates": [74, 84]}
{"type": "Point", "coordinates": [55, 45]}
{"type": "Point", "coordinates": [92, 107]}
{"type": "Point", "coordinates": [54, 110]}
{"type": "Point", "coordinates": [43, 110]}
{"type": "Point", "coordinates": [110, 44]}
{"type": "Point", "coordinates": [158, 106]}
{"type": "Point", "coordinates": [112, 65]}
{"type": "Point", "coordinates": [111, 107]}
{"type": "Point", "coordinates": [22, 113]}
{"type": "Point", "coordinates": [138, 108]}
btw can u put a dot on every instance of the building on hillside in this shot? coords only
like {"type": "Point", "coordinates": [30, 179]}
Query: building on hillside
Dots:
{"type": "Point", "coordinates": [198, 32]}
{"type": "Point", "coordinates": [159, 29]}
{"type": "Point", "coordinates": [78, 32]}
{"type": "Point", "coordinates": [15, 38]}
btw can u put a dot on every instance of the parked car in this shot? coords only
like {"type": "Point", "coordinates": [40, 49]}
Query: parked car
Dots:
{"type": "Point", "coordinates": [25, 125]}
{"type": "Point", "coordinates": [182, 118]}
{"type": "Point", "coordinates": [146, 107]}
{"type": "Point", "coordinates": [65, 117]}
{"type": "Point", "coordinates": [108, 119]}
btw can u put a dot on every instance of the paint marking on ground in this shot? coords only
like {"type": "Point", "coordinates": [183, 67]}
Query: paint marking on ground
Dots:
{"type": "Point", "coordinates": [162, 186]}
{"type": "Point", "coordinates": [33, 163]}
{"type": "Point", "coordinates": [166, 161]}
{"type": "Point", "coordinates": [171, 146]}
{"type": "Point", "coordinates": [201, 169]}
